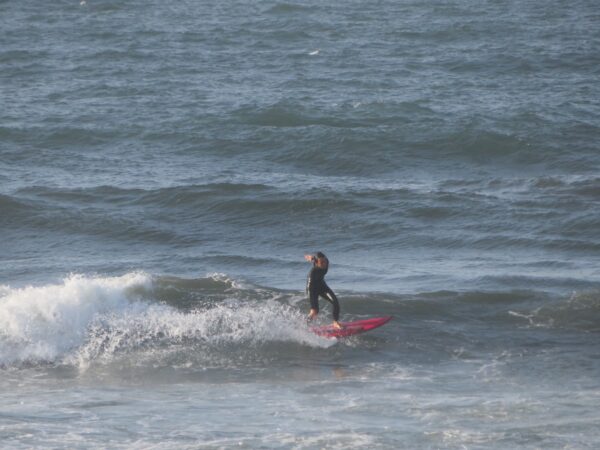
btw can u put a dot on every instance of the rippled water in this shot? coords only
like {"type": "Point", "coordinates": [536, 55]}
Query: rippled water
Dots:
{"type": "Point", "coordinates": [164, 167]}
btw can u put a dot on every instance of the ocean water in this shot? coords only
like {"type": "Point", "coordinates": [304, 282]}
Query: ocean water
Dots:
{"type": "Point", "coordinates": [164, 167]}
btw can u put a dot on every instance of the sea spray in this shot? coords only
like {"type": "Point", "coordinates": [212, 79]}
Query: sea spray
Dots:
{"type": "Point", "coordinates": [201, 335]}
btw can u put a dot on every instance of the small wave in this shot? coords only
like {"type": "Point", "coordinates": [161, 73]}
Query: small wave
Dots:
{"type": "Point", "coordinates": [287, 8]}
{"type": "Point", "coordinates": [548, 183]}
{"type": "Point", "coordinates": [184, 195]}
{"type": "Point", "coordinates": [20, 56]}
{"type": "Point", "coordinates": [14, 134]}
{"type": "Point", "coordinates": [588, 188]}
{"type": "Point", "coordinates": [199, 194]}
{"type": "Point", "coordinates": [482, 145]}
{"type": "Point", "coordinates": [10, 205]}
{"type": "Point", "coordinates": [62, 210]}
{"type": "Point", "coordinates": [66, 136]}
{"type": "Point", "coordinates": [350, 114]}
{"type": "Point", "coordinates": [83, 195]}
{"type": "Point", "coordinates": [280, 115]}
{"type": "Point", "coordinates": [238, 200]}
{"type": "Point", "coordinates": [190, 294]}
{"type": "Point", "coordinates": [580, 312]}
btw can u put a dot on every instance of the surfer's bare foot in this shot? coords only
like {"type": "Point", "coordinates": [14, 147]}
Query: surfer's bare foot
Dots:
{"type": "Point", "coordinates": [337, 325]}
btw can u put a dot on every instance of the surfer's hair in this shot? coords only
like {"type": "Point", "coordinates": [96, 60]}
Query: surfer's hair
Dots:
{"type": "Point", "coordinates": [321, 255]}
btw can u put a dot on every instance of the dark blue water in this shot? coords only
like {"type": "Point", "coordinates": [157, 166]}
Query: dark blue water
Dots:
{"type": "Point", "coordinates": [165, 167]}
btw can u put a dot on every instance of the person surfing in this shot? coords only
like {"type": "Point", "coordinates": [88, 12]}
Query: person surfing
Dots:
{"type": "Point", "coordinates": [316, 287]}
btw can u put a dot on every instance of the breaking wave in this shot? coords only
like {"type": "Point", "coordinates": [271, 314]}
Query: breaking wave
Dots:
{"type": "Point", "coordinates": [219, 322]}
{"type": "Point", "coordinates": [88, 319]}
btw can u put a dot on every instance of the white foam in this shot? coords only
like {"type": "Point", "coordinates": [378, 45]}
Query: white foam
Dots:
{"type": "Point", "coordinates": [88, 319]}
{"type": "Point", "coordinates": [42, 323]}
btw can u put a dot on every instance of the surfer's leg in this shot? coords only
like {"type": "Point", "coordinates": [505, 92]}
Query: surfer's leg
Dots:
{"type": "Point", "coordinates": [313, 296]}
{"type": "Point", "coordinates": [329, 295]}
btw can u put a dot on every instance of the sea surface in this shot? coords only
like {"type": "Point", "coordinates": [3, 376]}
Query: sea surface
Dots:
{"type": "Point", "coordinates": [165, 166]}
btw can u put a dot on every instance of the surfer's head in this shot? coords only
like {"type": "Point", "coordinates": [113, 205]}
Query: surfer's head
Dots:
{"type": "Point", "coordinates": [321, 260]}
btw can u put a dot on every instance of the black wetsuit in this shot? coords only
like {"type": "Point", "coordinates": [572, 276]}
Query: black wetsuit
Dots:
{"type": "Point", "coordinates": [316, 286]}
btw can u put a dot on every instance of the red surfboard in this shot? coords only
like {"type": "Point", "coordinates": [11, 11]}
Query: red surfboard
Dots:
{"type": "Point", "coordinates": [351, 328]}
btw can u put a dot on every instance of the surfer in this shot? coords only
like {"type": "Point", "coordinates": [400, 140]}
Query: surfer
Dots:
{"type": "Point", "coordinates": [316, 286]}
